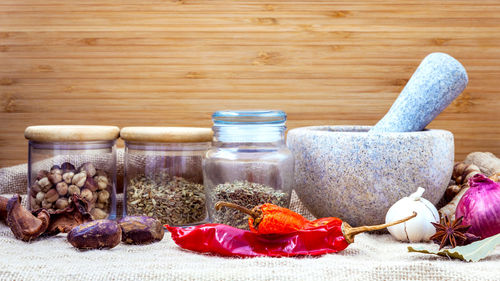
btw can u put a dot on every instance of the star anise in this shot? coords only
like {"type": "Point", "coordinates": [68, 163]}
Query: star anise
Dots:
{"type": "Point", "coordinates": [450, 233]}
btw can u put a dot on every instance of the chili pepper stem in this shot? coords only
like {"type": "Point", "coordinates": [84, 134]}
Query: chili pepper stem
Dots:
{"type": "Point", "coordinates": [247, 211]}
{"type": "Point", "coordinates": [349, 231]}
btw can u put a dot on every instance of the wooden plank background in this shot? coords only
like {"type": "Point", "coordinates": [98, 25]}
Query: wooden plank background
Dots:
{"type": "Point", "coordinates": [173, 63]}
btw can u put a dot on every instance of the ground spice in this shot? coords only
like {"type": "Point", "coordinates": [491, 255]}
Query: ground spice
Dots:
{"type": "Point", "coordinates": [246, 194]}
{"type": "Point", "coordinates": [172, 200]}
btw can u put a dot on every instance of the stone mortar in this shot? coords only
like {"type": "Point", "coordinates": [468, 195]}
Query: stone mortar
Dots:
{"type": "Point", "coordinates": [345, 172]}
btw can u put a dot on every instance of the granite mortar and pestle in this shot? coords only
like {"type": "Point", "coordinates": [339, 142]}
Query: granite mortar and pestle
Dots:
{"type": "Point", "coordinates": [358, 172]}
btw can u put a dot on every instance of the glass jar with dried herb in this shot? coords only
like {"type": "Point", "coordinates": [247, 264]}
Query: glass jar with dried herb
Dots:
{"type": "Point", "coordinates": [72, 160]}
{"type": "Point", "coordinates": [248, 163]}
{"type": "Point", "coordinates": [163, 173]}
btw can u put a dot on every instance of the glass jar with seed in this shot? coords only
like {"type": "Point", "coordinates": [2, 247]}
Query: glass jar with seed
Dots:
{"type": "Point", "coordinates": [163, 173]}
{"type": "Point", "coordinates": [248, 164]}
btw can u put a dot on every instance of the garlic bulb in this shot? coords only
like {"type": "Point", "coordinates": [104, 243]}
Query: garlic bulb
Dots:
{"type": "Point", "coordinates": [418, 228]}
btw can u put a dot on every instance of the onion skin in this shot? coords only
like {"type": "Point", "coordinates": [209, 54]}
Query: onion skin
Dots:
{"type": "Point", "coordinates": [480, 207]}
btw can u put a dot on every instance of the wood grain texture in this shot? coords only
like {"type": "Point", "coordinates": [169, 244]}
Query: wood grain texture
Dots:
{"type": "Point", "coordinates": [172, 63]}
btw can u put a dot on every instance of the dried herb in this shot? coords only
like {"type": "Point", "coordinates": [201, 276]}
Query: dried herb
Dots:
{"type": "Point", "coordinates": [246, 194]}
{"type": "Point", "coordinates": [450, 233]}
{"type": "Point", "coordinates": [472, 252]}
{"type": "Point", "coordinates": [172, 200]}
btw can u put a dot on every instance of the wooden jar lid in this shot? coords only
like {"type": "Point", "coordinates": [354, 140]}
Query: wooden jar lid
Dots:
{"type": "Point", "coordinates": [65, 133]}
{"type": "Point", "coordinates": [166, 134]}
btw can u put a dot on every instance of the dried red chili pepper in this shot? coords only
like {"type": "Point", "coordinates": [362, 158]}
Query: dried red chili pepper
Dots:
{"type": "Point", "coordinates": [331, 235]}
{"type": "Point", "coordinates": [272, 219]}
{"type": "Point", "coordinates": [269, 218]}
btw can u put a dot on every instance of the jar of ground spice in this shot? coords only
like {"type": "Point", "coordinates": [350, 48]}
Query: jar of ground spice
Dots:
{"type": "Point", "coordinates": [72, 160]}
{"type": "Point", "coordinates": [248, 163]}
{"type": "Point", "coordinates": [163, 173]}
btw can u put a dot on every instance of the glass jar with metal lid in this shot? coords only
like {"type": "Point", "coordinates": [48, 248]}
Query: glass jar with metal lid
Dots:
{"type": "Point", "coordinates": [163, 173]}
{"type": "Point", "coordinates": [68, 161]}
{"type": "Point", "coordinates": [248, 163]}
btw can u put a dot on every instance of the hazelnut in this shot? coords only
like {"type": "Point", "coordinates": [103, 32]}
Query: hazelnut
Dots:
{"type": "Point", "coordinates": [67, 177]}
{"type": "Point", "coordinates": [40, 196]}
{"type": "Point", "coordinates": [36, 188]}
{"type": "Point", "coordinates": [55, 168]}
{"type": "Point", "coordinates": [46, 205]}
{"type": "Point", "coordinates": [33, 203]}
{"type": "Point", "coordinates": [90, 184]}
{"type": "Point", "coordinates": [68, 167]}
{"type": "Point", "coordinates": [88, 168]}
{"type": "Point", "coordinates": [61, 203]}
{"type": "Point", "coordinates": [102, 182]}
{"type": "Point", "coordinates": [100, 173]}
{"type": "Point", "coordinates": [98, 214]}
{"type": "Point", "coordinates": [86, 194]}
{"type": "Point", "coordinates": [62, 188]}
{"type": "Point", "coordinates": [32, 192]}
{"type": "Point", "coordinates": [44, 184]}
{"type": "Point", "coordinates": [79, 179]}
{"type": "Point", "coordinates": [73, 189]}
{"type": "Point", "coordinates": [41, 174]}
{"type": "Point", "coordinates": [103, 196]}
{"type": "Point", "coordinates": [51, 195]}
{"type": "Point", "coordinates": [55, 176]}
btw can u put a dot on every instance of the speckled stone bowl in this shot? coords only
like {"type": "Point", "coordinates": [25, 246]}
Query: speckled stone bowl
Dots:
{"type": "Point", "coordinates": [348, 172]}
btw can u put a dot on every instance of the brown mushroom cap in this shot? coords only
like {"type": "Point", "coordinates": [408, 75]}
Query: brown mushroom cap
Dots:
{"type": "Point", "coordinates": [23, 223]}
{"type": "Point", "coordinates": [64, 220]}
{"type": "Point", "coordinates": [3, 208]}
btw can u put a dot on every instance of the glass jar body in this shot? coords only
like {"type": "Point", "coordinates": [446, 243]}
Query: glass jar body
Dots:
{"type": "Point", "coordinates": [165, 181]}
{"type": "Point", "coordinates": [248, 174]}
{"type": "Point", "coordinates": [57, 170]}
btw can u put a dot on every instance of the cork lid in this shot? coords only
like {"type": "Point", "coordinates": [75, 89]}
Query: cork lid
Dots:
{"type": "Point", "coordinates": [166, 134]}
{"type": "Point", "coordinates": [56, 133]}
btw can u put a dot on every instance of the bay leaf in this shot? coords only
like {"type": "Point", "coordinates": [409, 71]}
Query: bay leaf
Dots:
{"type": "Point", "coordinates": [472, 252]}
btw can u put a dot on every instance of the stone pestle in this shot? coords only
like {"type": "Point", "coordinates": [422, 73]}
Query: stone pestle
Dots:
{"type": "Point", "coordinates": [438, 80]}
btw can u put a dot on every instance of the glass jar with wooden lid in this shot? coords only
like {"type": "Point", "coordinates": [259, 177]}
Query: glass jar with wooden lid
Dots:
{"type": "Point", "coordinates": [69, 161]}
{"type": "Point", "coordinates": [163, 173]}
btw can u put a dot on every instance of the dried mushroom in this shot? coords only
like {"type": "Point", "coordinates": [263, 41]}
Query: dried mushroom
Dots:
{"type": "Point", "coordinates": [3, 208]}
{"type": "Point", "coordinates": [64, 220]}
{"type": "Point", "coordinates": [141, 230]}
{"type": "Point", "coordinates": [23, 223]}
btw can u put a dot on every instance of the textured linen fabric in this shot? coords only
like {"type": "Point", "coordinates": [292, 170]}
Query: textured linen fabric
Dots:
{"type": "Point", "coordinates": [371, 257]}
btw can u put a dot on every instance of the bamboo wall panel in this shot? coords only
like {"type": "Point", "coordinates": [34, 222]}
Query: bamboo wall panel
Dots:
{"type": "Point", "coordinates": [173, 63]}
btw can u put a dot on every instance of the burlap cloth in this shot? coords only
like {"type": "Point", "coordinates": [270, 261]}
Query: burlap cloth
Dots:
{"type": "Point", "coordinates": [371, 257]}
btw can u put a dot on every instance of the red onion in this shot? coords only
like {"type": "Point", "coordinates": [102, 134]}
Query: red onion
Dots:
{"type": "Point", "coordinates": [480, 207]}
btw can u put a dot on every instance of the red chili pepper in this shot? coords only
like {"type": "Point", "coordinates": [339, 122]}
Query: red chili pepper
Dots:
{"type": "Point", "coordinates": [269, 218]}
{"type": "Point", "coordinates": [224, 240]}
{"type": "Point", "coordinates": [272, 219]}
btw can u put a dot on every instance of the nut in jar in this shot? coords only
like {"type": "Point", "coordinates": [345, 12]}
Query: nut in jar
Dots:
{"type": "Point", "coordinates": [52, 190]}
